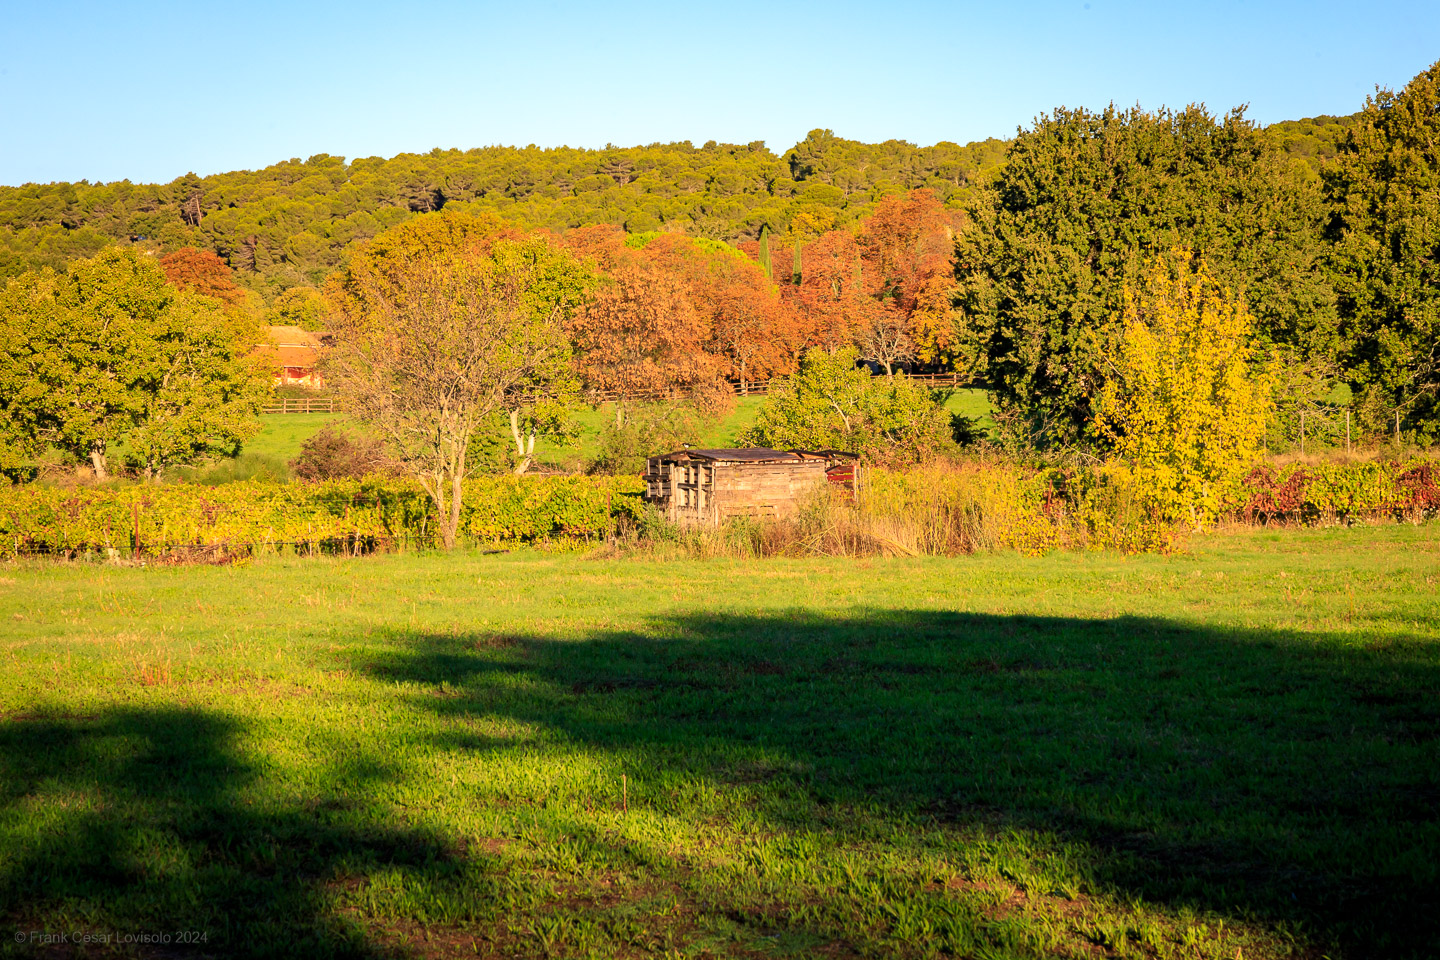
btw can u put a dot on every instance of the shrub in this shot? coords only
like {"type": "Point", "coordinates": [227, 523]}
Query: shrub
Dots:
{"type": "Point", "coordinates": [1339, 492]}
{"type": "Point", "coordinates": [246, 516]}
{"type": "Point", "coordinates": [646, 430]}
{"type": "Point", "coordinates": [336, 454]}
{"type": "Point", "coordinates": [829, 404]}
{"type": "Point", "coordinates": [262, 467]}
{"type": "Point", "coordinates": [1183, 404]}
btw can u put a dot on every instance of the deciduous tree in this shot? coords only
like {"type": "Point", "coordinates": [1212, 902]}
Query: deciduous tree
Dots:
{"type": "Point", "coordinates": [835, 303]}
{"type": "Point", "coordinates": [202, 272]}
{"type": "Point", "coordinates": [640, 336]}
{"type": "Point", "coordinates": [110, 351]}
{"type": "Point", "coordinates": [908, 245]}
{"type": "Point", "coordinates": [749, 327]}
{"type": "Point", "coordinates": [1185, 400]}
{"type": "Point", "coordinates": [829, 403]}
{"type": "Point", "coordinates": [437, 330]}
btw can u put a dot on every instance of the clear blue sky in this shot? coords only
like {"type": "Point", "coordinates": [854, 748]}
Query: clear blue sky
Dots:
{"type": "Point", "coordinates": [106, 91]}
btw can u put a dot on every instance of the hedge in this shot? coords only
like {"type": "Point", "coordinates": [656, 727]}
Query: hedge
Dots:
{"type": "Point", "coordinates": [1335, 492]}
{"type": "Point", "coordinates": [1008, 505]}
{"type": "Point", "coordinates": [328, 515]}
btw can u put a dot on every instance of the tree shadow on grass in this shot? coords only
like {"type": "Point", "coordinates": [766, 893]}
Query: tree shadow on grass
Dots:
{"type": "Point", "coordinates": [137, 823]}
{"type": "Point", "coordinates": [1280, 778]}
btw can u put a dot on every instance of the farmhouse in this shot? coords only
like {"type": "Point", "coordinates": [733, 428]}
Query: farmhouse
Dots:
{"type": "Point", "coordinates": [293, 354]}
{"type": "Point", "coordinates": [706, 486]}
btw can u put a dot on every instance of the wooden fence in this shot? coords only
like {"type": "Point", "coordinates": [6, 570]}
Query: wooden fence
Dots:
{"type": "Point", "coordinates": [300, 405]}
{"type": "Point", "coordinates": [757, 388]}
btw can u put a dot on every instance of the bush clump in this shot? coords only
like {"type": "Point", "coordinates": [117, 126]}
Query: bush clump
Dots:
{"type": "Point", "coordinates": [646, 430]}
{"type": "Point", "coordinates": [337, 454]}
{"type": "Point", "coordinates": [832, 404]}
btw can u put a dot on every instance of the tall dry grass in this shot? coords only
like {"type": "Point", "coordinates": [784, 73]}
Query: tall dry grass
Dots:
{"type": "Point", "coordinates": [942, 509]}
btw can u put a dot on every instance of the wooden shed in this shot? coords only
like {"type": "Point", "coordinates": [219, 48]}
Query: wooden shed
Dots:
{"type": "Point", "coordinates": [707, 486]}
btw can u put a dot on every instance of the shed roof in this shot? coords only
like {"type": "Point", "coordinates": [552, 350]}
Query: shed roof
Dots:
{"type": "Point", "coordinates": [287, 346]}
{"type": "Point", "coordinates": [286, 355]}
{"type": "Point", "coordinates": [752, 455]}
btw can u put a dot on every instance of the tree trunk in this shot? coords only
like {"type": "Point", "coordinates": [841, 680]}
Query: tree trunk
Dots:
{"type": "Point", "coordinates": [452, 525]}
{"type": "Point", "coordinates": [525, 453]}
{"type": "Point", "coordinates": [97, 461]}
{"type": "Point", "coordinates": [438, 495]}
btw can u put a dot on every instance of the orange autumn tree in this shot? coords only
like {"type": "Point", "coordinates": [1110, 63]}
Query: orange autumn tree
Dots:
{"type": "Point", "coordinates": [751, 329]}
{"type": "Point", "coordinates": [202, 272]}
{"type": "Point", "coordinates": [639, 336]}
{"type": "Point", "coordinates": [908, 245]}
{"type": "Point", "coordinates": [833, 299]}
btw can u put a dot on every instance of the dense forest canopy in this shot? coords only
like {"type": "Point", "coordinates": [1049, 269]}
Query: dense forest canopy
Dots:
{"type": "Point", "coordinates": [292, 223]}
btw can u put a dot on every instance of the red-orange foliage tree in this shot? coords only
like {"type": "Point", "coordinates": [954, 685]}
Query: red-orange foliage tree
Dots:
{"type": "Point", "coordinates": [640, 336]}
{"type": "Point", "coordinates": [834, 300]}
{"type": "Point", "coordinates": [602, 245]}
{"type": "Point", "coordinates": [202, 272]}
{"type": "Point", "coordinates": [750, 328]}
{"type": "Point", "coordinates": [909, 249]}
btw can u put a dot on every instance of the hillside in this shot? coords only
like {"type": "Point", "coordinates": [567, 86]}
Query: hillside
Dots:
{"type": "Point", "coordinates": [291, 223]}
{"type": "Point", "coordinates": [1315, 140]}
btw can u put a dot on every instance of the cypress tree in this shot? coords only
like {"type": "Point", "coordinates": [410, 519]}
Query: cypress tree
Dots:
{"type": "Point", "coordinates": [765, 250]}
{"type": "Point", "coordinates": [1386, 229]}
{"type": "Point", "coordinates": [795, 268]}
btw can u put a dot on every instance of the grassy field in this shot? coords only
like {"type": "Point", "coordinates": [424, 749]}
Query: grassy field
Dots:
{"type": "Point", "coordinates": [281, 435]}
{"type": "Point", "coordinates": [1230, 753]}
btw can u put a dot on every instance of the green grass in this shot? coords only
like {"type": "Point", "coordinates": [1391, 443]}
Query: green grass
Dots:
{"type": "Point", "coordinates": [1230, 753]}
{"type": "Point", "coordinates": [281, 435]}
{"type": "Point", "coordinates": [1227, 753]}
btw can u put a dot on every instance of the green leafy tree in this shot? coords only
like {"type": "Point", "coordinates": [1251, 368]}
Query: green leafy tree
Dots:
{"type": "Point", "coordinates": [649, 428]}
{"type": "Point", "coordinates": [1083, 200]}
{"type": "Point", "coordinates": [302, 307]}
{"type": "Point", "coordinates": [108, 352]}
{"type": "Point", "coordinates": [830, 404]}
{"type": "Point", "coordinates": [202, 394]}
{"type": "Point", "coordinates": [1385, 186]}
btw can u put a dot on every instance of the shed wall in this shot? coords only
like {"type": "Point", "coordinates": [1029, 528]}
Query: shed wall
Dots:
{"type": "Point", "coordinates": [765, 489]}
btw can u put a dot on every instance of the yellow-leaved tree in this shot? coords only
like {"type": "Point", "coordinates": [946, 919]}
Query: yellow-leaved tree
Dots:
{"type": "Point", "coordinates": [1186, 396]}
